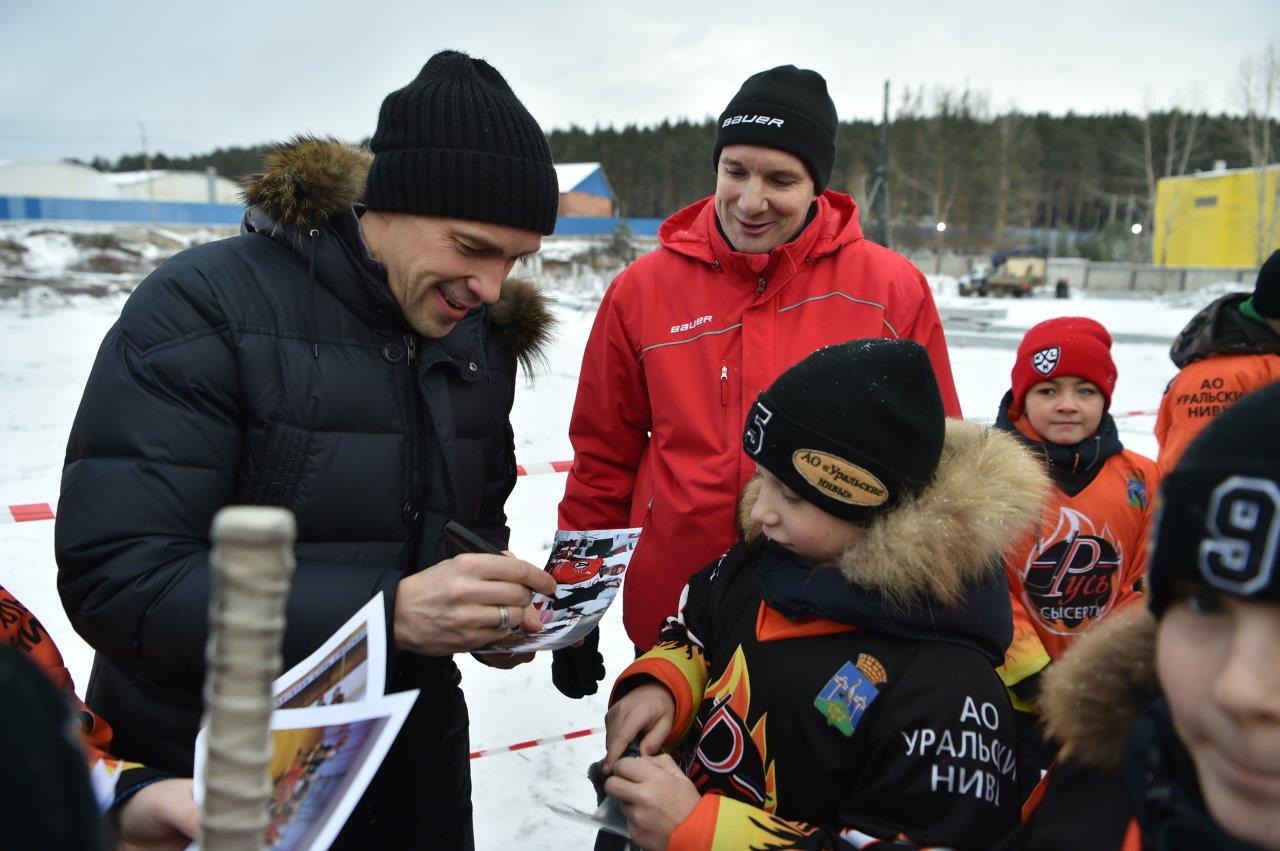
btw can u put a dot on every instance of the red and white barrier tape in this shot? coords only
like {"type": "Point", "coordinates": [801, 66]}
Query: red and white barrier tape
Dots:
{"type": "Point", "coordinates": [44, 511]}
{"type": "Point", "coordinates": [538, 468]}
{"type": "Point", "coordinates": [25, 513]}
{"type": "Point", "coordinates": [533, 743]}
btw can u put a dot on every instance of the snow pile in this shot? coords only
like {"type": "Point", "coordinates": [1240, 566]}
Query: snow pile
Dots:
{"type": "Point", "coordinates": [1206, 295]}
{"type": "Point", "coordinates": [43, 263]}
{"type": "Point", "coordinates": [83, 258]}
{"type": "Point", "coordinates": [566, 249]}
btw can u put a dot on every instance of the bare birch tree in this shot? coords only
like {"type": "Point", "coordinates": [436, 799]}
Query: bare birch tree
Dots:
{"type": "Point", "coordinates": [1258, 87]}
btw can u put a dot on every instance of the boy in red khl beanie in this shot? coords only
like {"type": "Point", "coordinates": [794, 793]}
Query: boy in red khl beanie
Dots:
{"type": "Point", "coordinates": [1088, 555]}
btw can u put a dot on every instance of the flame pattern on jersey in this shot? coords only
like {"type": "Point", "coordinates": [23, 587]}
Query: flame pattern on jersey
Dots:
{"type": "Point", "coordinates": [728, 755]}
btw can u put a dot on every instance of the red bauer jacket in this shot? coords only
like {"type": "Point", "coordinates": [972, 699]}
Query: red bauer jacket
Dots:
{"type": "Point", "coordinates": [683, 342]}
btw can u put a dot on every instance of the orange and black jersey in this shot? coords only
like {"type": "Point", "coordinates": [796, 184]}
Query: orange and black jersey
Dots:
{"type": "Point", "coordinates": [113, 780]}
{"type": "Point", "coordinates": [828, 729]}
{"type": "Point", "coordinates": [1086, 557]}
{"type": "Point", "coordinates": [22, 631]}
{"type": "Point", "coordinates": [1222, 354]}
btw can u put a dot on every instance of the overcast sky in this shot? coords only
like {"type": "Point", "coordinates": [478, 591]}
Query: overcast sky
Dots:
{"type": "Point", "coordinates": [79, 77]}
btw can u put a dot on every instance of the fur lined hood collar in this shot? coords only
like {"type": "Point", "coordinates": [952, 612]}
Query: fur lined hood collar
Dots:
{"type": "Point", "coordinates": [1092, 696]}
{"type": "Point", "coordinates": [987, 492]}
{"type": "Point", "coordinates": [309, 180]}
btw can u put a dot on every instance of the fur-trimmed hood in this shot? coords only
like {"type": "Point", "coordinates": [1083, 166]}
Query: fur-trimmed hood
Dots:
{"type": "Point", "coordinates": [309, 180]}
{"type": "Point", "coordinates": [987, 492]}
{"type": "Point", "coordinates": [1221, 329]}
{"type": "Point", "coordinates": [1094, 693]}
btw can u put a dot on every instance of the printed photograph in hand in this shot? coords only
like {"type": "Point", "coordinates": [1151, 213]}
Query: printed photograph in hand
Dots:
{"type": "Point", "coordinates": [349, 666]}
{"type": "Point", "coordinates": [588, 568]}
{"type": "Point", "coordinates": [341, 676]}
{"type": "Point", "coordinates": [318, 771]}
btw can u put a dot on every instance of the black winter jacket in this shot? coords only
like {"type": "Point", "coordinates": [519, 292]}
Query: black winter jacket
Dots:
{"type": "Point", "coordinates": [275, 368]}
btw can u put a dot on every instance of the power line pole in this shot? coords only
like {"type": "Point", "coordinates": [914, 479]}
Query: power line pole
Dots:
{"type": "Point", "coordinates": [884, 232]}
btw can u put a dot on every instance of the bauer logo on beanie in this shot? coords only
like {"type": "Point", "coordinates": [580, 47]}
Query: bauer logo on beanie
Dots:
{"type": "Point", "coordinates": [853, 428]}
{"type": "Point", "coordinates": [1219, 520]}
{"type": "Point", "coordinates": [786, 108]}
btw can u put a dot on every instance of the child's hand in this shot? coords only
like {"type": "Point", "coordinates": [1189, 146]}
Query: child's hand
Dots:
{"type": "Point", "coordinates": [647, 710]}
{"type": "Point", "coordinates": [655, 797]}
{"type": "Point", "coordinates": [161, 815]}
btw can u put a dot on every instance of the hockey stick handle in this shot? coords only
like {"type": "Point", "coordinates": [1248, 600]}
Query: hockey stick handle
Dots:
{"type": "Point", "coordinates": [252, 563]}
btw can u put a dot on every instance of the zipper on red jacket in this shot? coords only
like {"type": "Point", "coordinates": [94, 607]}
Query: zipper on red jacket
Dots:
{"type": "Point", "coordinates": [724, 404]}
{"type": "Point", "coordinates": [760, 285]}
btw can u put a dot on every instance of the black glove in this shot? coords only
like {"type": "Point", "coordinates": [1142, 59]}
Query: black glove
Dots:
{"type": "Point", "coordinates": [577, 671]}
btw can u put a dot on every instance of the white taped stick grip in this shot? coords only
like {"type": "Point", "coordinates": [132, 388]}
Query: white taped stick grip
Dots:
{"type": "Point", "coordinates": [252, 563]}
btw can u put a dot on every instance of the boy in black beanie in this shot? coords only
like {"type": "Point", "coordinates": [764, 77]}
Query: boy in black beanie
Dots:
{"type": "Point", "coordinates": [1169, 725]}
{"type": "Point", "coordinates": [831, 679]}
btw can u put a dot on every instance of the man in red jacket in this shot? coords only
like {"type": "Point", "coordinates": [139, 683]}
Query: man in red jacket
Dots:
{"type": "Point", "coordinates": [745, 284]}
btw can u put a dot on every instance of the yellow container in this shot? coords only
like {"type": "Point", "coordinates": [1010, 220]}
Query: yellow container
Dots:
{"type": "Point", "coordinates": [1225, 218]}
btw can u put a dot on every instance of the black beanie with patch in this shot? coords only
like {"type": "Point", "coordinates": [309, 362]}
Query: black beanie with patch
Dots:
{"type": "Point", "coordinates": [1219, 515]}
{"type": "Point", "coordinates": [1266, 292]}
{"type": "Point", "coordinates": [457, 143]}
{"type": "Point", "coordinates": [787, 108]}
{"type": "Point", "coordinates": [853, 428]}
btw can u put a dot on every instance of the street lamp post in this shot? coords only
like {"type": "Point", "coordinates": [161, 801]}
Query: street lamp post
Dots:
{"type": "Point", "coordinates": [940, 228]}
{"type": "Point", "coordinates": [1136, 230]}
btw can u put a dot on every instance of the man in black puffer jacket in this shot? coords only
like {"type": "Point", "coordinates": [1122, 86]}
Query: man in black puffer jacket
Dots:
{"type": "Point", "coordinates": [354, 363]}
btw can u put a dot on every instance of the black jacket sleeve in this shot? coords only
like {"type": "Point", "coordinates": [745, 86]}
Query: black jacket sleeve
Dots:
{"type": "Point", "coordinates": [153, 455]}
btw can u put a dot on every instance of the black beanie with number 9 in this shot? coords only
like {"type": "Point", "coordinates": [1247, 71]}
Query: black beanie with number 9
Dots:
{"type": "Point", "coordinates": [1219, 514]}
{"type": "Point", "coordinates": [853, 428]}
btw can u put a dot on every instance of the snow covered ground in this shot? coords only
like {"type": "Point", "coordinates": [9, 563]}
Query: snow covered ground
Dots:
{"type": "Point", "coordinates": [47, 349]}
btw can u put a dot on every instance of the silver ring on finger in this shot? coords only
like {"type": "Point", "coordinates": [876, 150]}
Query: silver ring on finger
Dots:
{"type": "Point", "coordinates": [505, 620]}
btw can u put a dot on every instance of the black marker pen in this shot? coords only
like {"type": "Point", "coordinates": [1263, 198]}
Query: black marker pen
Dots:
{"type": "Point", "coordinates": [468, 541]}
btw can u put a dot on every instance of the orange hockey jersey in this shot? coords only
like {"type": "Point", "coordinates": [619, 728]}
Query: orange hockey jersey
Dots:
{"type": "Point", "coordinates": [1203, 390]}
{"type": "Point", "coordinates": [1089, 553]}
{"type": "Point", "coordinates": [1222, 354]}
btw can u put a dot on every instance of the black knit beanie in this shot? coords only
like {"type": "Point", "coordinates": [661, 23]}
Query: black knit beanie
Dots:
{"type": "Point", "coordinates": [853, 428]}
{"type": "Point", "coordinates": [787, 108]}
{"type": "Point", "coordinates": [1266, 292]}
{"type": "Point", "coordinates": [457, 142]}
{"type": "Point", "coordinates": [1219, 521]}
